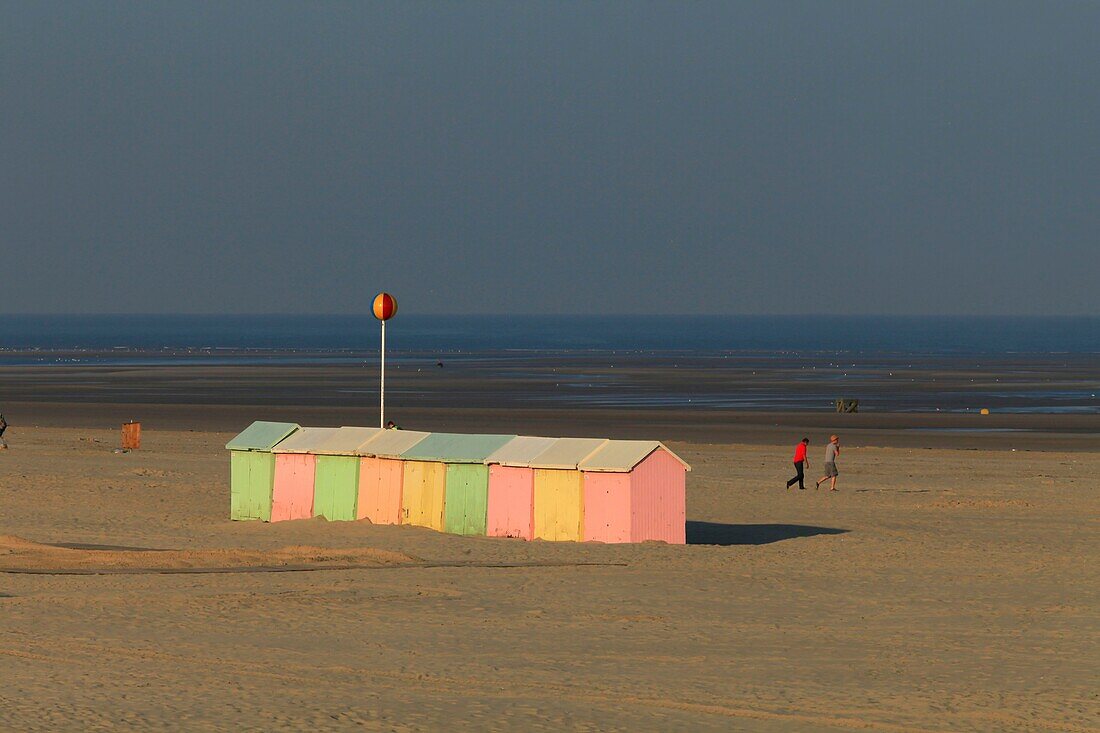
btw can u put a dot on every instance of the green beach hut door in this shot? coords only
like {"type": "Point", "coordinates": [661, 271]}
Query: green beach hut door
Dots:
{"type": "Point", "coordinates": [336, 488]}
{"type": "Point", "coordinates": [466, 509]}
{"type": "Point", "coordinates": [254, 473]}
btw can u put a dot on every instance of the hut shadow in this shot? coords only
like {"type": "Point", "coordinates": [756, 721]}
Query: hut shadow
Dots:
{"type": "Point", "coordinates": [725, 535]}
{"type": "Point", "coordinates": [114, 548]}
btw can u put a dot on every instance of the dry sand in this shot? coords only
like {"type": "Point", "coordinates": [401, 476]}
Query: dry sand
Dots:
{"type": "Point", "coordinates": [940, 590]}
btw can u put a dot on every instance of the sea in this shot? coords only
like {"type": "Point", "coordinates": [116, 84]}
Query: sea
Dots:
{"type": "Point", "coordinates": [890, 363]}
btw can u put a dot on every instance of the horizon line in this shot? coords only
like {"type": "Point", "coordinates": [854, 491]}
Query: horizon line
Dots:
{"type": "Point", "coordinates": [429, 314]}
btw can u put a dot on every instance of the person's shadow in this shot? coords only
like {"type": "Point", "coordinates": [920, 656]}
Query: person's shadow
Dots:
{"type": "Point", "coordinates": [714, 533]}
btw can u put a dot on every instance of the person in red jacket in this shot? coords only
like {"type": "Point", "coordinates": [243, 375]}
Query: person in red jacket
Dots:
{"type": "Point", "coordinates": [801, 463]}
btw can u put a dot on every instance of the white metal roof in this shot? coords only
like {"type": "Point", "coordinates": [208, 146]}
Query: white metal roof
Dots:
{"type": "Point", "coordinates": [621, 456]}
{"type": "Point", "coordinates": [306, 440]}
{"type": "Point", "coordinates": [391, 443]}
{"type": "Point", "coordinates": [567, 453]}
{"type": "Point", "coordinates": [520, 450]}
{"type": "Point", "coordinates": [346, 441]}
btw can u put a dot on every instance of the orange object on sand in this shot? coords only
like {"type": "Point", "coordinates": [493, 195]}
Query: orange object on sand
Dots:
{"type": "Point", "coordinates": [131, 435]}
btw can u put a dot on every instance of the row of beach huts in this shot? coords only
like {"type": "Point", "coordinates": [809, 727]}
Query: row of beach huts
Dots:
{"type": "Point", "coordinates": [565, 489]}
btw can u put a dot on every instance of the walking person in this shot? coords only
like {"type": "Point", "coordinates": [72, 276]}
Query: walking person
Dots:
{"type": "Point", "coordinates": [832, 450]}
{"type": "Point", "coordinates": [801, 463]}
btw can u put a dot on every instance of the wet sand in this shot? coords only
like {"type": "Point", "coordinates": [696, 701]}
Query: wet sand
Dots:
{"type": "Point", "coordinates": [575, 380]}
{"type": "Point", "coordinates": [566, 394]}
{"type": "Point", "coordinates": [916, 430]}
{"type": "Point", "coordinates": [942, 589]}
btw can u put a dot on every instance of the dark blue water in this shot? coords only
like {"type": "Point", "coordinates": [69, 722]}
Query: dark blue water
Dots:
{"type": "Point", "coordinates": [422, 333]}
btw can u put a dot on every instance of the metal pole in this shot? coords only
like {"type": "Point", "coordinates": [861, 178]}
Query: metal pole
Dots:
{"type": "Point", "coordinates": [382, 391]}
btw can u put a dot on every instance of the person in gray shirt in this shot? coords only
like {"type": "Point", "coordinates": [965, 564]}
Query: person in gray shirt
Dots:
{"type": "Point", "coordinates": [832, 450]}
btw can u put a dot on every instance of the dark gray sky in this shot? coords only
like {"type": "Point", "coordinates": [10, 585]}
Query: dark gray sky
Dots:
{"type": "Point", "coordinates": [755, 157]}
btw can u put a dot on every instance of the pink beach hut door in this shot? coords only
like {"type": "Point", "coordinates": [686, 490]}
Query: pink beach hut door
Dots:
{"type": "Point", "coordinates": [607, 507]}
{"type": "Point", "coordinates": [292, 495]}
{"type": "Point", "coordinates": [511, 502]}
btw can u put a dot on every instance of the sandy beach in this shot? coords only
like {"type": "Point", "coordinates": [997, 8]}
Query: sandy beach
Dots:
{"type": "Point", "coordinates": [714, 228]}
{"type": "Point", "coordinates": [941, 590]}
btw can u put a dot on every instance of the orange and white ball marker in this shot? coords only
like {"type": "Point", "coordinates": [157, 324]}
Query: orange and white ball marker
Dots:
{"type": "Point", "coordinates": [384, 308]}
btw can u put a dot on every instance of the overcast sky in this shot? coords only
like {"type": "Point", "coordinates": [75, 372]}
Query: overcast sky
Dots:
{"type": "Point", "coordinates": [753, 157]}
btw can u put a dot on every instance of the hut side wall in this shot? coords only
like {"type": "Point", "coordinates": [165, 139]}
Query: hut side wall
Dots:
{"type": "Point", "coordinates": [292, 489]}
{"type": "Point", "coordinates": [559, 505]}
{"type": "Point", "coordinates": [657, 500]}
{"type": "Point", "coordinates": [607, 507]}
{"type": "Point", "coordinates": [511, 502]}
{"type": "Point", "coordinates": [422, 494]}
{"type": "Point", "coordinates": [238, 484]}
{"type": "Point", "coordinates": [251, 475]}
{"type": "Point", "coordinates": [465, 507]}
{"type": "Point", "coordinates": [380, 481]}
{"type": "Point", "coordinates": [336, 487]}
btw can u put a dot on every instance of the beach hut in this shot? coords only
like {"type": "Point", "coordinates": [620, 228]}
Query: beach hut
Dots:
{"type": "Point", "coordinates": [336, 482]}
{"type": "Point", "coordinates": [295, 465]}
{"type": "Point", "coordinates": [252, 468]}
{"type": "Point", "coordinates": [634, 490]}
{"type": "Point", "coordinates": [381, 475]}
{"type": "Point", "coordinates": [559, 488]}
{"type": "Point", "coordinates": [511, 510]}
{"type": "Point", "coordinates": [446, 482]}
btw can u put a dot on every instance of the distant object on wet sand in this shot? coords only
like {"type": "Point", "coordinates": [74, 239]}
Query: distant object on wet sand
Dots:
{"type": "Point", "coordinates": [844, 405]}
{"type": "Point", "coordinates": [573, 489]}
{"type": "Point", "coordinates": [131, 435]}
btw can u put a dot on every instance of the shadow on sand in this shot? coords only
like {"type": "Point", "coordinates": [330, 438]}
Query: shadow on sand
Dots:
{"type": "Point", "coordinates": [115, 548]}
{"type": "Point", "coordinates": [713, 533]}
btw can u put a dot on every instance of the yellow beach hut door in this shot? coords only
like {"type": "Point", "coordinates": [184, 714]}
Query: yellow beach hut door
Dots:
{"type": "Point", "coordinates": [422, 494]}
{"type": "Point", "coordinates": [559, 505]}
